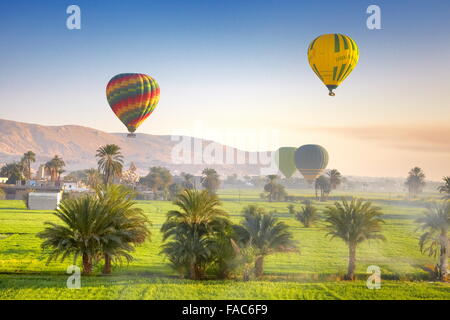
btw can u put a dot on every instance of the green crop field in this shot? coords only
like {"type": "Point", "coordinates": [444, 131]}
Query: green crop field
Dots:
{"type": "Point", "coordinates": [314, 273]}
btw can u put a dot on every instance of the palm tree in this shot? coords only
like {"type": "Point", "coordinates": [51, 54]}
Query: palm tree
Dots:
{"type": "Point", "coordinates": [335, 178]}
{"type": "Point", "coordinates": [192, 231]}
{"type": "Point", "coordinates": [210, 180]}
{"type": "Point", "coordinates": [84, 224]}
{"type": "Point", "coordinates": [265, 234]}
{"type": "Point", "coordinates": [129, 223]}
{"type": "Point", "coordinates": [307, 215]}
{"type": "Point", "coordinates": [55, 167]}
{"type": "Point", "coordinates": [110, 162]}
{"type": "Point", "coordinates": [415, 181]}
{"type": "Point", "coordinates": [323, 184]}
{"type": "Point", "coordinates": [445, 188]}
{"type": "Point", "coordinates": [275, 191]}
{"type": "Point", "coordinates": [435, 223]}
{"type": "Point", "coordinates": [354, 223]}
{"type": "Point", "coordinates": [105, 225]}
{"type": "Point", "coordinates": [27, 159]}
{"type": "Point", "coordinates": [93, 178]}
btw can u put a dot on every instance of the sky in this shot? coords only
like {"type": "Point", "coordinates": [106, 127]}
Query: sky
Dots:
{"type": "Point", "coordinates": [241, 66]}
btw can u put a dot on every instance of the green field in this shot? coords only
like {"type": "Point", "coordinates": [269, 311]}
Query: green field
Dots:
{"type": "Point", "coordinates": [314, 273]}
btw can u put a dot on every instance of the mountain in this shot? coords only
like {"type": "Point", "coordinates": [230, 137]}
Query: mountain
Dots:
{"type": "Point", "coordinates": [77, 145]}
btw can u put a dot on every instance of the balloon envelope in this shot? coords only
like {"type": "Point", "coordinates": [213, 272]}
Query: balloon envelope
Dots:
{"type": "Point", "coordinates": [311, 160]}
{"type": "Point", "coordinates": [332, 58]}
{"type": "Point", "coordinates": [284, 158]}
{"type": "Point", "coordinates": [132, 97]}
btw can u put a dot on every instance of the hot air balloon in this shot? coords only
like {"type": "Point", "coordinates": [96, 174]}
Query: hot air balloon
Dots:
{"type": "Point", "coordinates": [311, 160]}
{"type": "Point", "coordinates": [332, 57]}
{"type": "Point", "coordinates": [284, 158]}
{"type": "Point", "coordinates": [132, 97]}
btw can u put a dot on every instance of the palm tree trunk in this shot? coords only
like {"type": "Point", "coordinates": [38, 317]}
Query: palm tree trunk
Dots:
{"type": "Point", "coordinates": [107, 268]}
{"type": "Point", "coordinates": [192, 272]}
{"type": "Point", "coordinates": [87, 264]}
{"type": "Point", "coordinates": [351, 262]}
{"type": "Point", "coordinates": [443, 258]}
{"type": "Point", "coordinates": [259, 266]}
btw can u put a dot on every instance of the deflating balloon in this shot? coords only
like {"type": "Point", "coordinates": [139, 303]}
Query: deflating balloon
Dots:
{"type": "Point", "coordinates": [311, 160]}
{"type": "Point", "coordinates": [284, 158]}
{"type": "Point", "coordinates": [132, 97]}
{"type": "Point", "coordinates": [332, 58]}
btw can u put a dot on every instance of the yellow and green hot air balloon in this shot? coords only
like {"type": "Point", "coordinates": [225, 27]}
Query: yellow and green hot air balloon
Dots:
{"type": "Point", "coordinates": [285, 160]}
{"type": "Point", "coordinates": [332, 57]}
{"type": "Point", "coordinates": [132, 97]}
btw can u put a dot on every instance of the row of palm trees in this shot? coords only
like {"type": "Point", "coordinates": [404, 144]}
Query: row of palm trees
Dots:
{"type": "Point", "coordinates": [434, 224]}
{"type": "Point", "coordinates": [199, 238]}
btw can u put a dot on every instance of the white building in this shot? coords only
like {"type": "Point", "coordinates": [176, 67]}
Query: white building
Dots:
{"type": "Point", "coordinates": [44, 200]}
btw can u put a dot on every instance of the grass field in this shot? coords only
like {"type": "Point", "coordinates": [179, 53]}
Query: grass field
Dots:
{"type": "Point", "coordinates": [313, 274]}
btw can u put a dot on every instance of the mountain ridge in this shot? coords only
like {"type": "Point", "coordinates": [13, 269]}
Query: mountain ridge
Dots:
{"type": "Point", "coordinates": [77, 145]}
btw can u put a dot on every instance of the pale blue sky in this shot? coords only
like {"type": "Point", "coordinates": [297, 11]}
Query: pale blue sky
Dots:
{"type": "Point", "coordinates": [238, 65]}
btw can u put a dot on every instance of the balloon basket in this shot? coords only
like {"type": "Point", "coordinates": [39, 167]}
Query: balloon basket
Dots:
{"type": "Point", "coordinates": [131, 135]}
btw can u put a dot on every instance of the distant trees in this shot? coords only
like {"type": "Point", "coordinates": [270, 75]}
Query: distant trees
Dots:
{"type": "Point", "coordinates": [130, 176]}
{"type": "Point", "coordinates": [323, 184]}
{"type": "Point", "coordinates": [434, 241]}
{"type": "Point", "coordinates": [354, 223]}
{"type": "Point", "coordinates": [193, 231]}
{"type": "Point", "coordinates": [210, 180]}
{"type": "Point", "coordinates": [415, 181]}
{"type": "Point", "coordinates": [13, 171]}
{"type": "Point", "coordinates": [158, 180]}
{"type": "Point", "coordinates": [335, 178]}
{"type": "Point", "coordinates": [175, 189]}
{"type": "Point", "coordinates": [264, 233]}
{"type": "Point", "coordinates": [188, 180]}
{"type": "Point", "coordinates": [308, 215]}
{"type": "Point", "coordinates": [110, 162]}
{"type": "Point", "coordinates": [104, 225]}
{"type": "Point", "coordinates": [274, 190]}
{"type": "Point", "coordinates": [18, 171]}
{"type": "Point", "coordinates": [93, 178]}
{"type": "Point", "coordinates": [326, 183]}
{"type": "Point", "coordinates": [28, 158]}
{"type": "Point", "coordinates": [55, 167]}
{"type": "Point", "coordinates": [445, 188]}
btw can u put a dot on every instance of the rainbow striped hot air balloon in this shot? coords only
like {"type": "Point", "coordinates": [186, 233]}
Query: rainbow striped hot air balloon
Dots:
{"type": "Point", "coordinates": [132, 97]}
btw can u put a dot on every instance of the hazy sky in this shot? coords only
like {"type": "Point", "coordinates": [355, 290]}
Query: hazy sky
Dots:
{"type": "Point", "coordinates": [241, 66]}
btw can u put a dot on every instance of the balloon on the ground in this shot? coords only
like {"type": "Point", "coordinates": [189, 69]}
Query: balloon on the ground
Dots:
{"type": "Point", "coordinates": [132, 97]}
{"type": "Point", "coordinates": [311, 160]}
{"type": "Point", "coordinates": [332, 58]}
{"type": "Point", "coordinates": [284, 158]}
